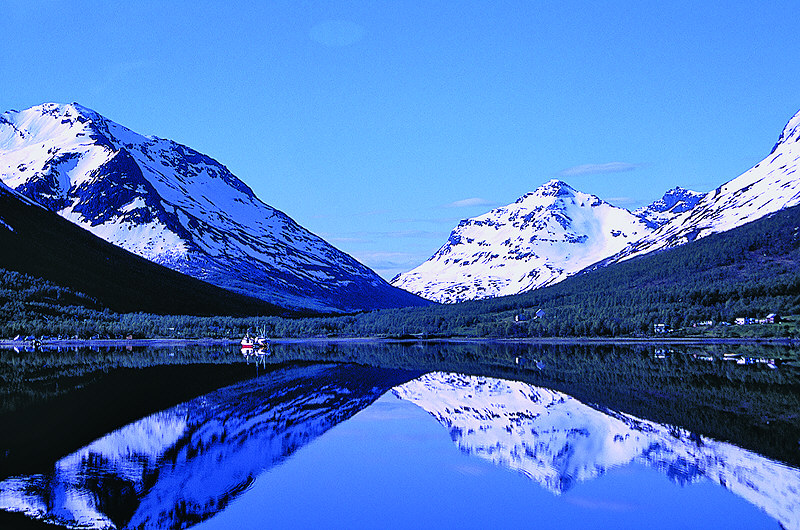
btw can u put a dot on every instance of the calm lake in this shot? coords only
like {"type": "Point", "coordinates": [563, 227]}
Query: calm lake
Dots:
{"type": "Point", "coordinates": [423, 435]}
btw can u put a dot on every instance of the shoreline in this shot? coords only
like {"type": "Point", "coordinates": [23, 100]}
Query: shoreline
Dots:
{"type": "Point", "coordinates": [166, 342]}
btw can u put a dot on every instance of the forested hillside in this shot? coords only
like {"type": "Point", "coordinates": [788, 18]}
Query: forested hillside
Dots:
{"type": "Point", "coordinates": [750, 271]}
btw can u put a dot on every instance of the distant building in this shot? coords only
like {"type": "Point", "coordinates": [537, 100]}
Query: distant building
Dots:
{"type": "Point", "coordinates": [772, 318]}
{"type": "Point", "coordinates": [522, 317]}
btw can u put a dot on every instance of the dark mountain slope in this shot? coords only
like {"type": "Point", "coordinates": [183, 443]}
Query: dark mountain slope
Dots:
{"type": "Point", "coordinates": [38, 242]}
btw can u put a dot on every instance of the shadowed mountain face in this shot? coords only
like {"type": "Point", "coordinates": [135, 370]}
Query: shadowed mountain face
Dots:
{"type": "Point", "coordinates": [769, 186]}
{"type": "Point", "coordinates": [180, 466]}
{"type": "Point", "coordinates": [180, 208]}
{"type": "Point", "coordinates": [557, 441]}
{"type": "Point", "coordinates": [38, 242]}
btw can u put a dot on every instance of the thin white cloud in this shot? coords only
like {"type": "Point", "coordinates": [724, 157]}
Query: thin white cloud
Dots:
{"type": "Point", "coordinates": [371, 237]}
{"type": "Point", "coordinates": [334, 239]}
{"type": "Point", "coordinates": [592, 169]}
{"type": "Point", "coordinates": [386, 259]}
{"type": "Point", "coordinates": [370, 213]}
{"type": "Point", "coordinates": [622, 201]}
{"type": "Point", "coordinates": [413, 234]}
{"type": "Point", "coordinates": [473, 201]}
{"type": "Point", "coordinates": [430, 220]}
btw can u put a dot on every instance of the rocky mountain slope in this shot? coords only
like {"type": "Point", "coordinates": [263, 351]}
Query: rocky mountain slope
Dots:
{"type": "Point", "coordinates": [771, 185]}
{"type": "Point", "coordinates": [674, 202]}
{"type": "Point", "coordinates": [180, 208]}
{"type": "Point", "coordinates": [38, 242]}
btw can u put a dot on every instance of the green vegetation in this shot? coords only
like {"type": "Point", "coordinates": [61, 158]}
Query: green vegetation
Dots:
{"type": "Point", "coordinates": [751, 271]}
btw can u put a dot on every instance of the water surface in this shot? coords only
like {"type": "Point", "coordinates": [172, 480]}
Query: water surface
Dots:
{"type": "Point", "coordinates": [496, 437]}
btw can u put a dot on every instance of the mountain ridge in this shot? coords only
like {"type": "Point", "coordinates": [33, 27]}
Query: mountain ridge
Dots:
{"type": "Point", "coordinates": [767, 187]}
{"type": "Point", "coordinates": [36, 241]}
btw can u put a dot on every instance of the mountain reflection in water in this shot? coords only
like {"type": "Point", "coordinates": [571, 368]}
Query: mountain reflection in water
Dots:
{"type": "Point", "coordinates": [180, 466]}
{"type": "Point", "coordinates": [557, 441]}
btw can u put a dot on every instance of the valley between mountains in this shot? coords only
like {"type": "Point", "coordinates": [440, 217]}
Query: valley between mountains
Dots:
{"type": "Point", "coordinates": [177, 210]}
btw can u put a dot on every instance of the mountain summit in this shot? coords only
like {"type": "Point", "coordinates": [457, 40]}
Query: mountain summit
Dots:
{"type": "Point", "coordinates": [179, 208]}
{"type": "Point", "coordinates": [540, 239]}
{"type": "Point", "coordinates": [675, 201]}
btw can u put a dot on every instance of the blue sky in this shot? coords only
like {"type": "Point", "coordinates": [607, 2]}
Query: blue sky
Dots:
{"type": "Point", "coordinates": [379, 125]}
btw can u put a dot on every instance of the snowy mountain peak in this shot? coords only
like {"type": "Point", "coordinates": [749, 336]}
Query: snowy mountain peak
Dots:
{"type": "Point", "coordinates": [556, 231]}
{"type": "Point", "coordinates": [677, 198]}
{"type": "Point", "coordinates": [50, 122]}
{"type": "Point", "coordinates": [553, 188]}
{"type": "Point", "coordinates": [790, 133]}
{"type": "Point", "coordinates": [538, 240]}
{"type": "Point", "coordinates": [675, 201]}
{"type": "Point", "coordinates": [177, 207]}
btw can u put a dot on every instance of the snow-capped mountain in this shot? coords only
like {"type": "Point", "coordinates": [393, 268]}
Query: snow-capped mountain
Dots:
{"type": "Point", "coordinates": [555, 232]}
{"type": "Point", "coordinates": [557, 441]}
{"type": "Point", "coordinates": [771, 185]}
{"type": "Point", "coordinates": [538, 240]}
{"type": "Point", "coordinates": [180, 466]}
{"type": "Point", "coordinates": [179, 208]}
{"type": "Point", "coordinates": [675, 201]}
